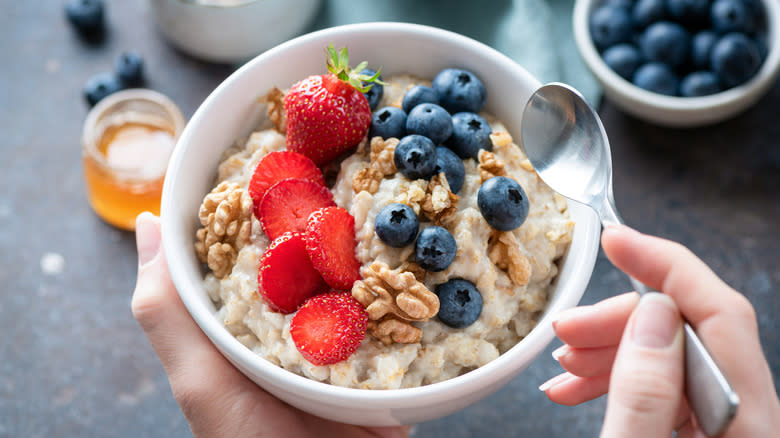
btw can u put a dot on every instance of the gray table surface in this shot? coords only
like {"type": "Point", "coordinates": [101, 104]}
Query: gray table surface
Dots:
{"type": "Point", "coordinates": [73, 362]}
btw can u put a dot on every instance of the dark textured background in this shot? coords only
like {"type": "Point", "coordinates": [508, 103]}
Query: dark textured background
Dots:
{"type": "Point", "coordinates": [73, 362]}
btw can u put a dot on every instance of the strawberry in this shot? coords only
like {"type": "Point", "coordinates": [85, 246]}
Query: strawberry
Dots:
{"type": "Point", "coordinates": [330, 242]}
{"type": "Point", "coordinates": [286, 205]}
{"type": "Point", "coordinates": [286, 277]}
{"type": "Point", "coordinates": [329, 114]}
{"type": "Point", "coordinates": [329, 327]}
{"type": "Point", "coordinates": [279, 165]}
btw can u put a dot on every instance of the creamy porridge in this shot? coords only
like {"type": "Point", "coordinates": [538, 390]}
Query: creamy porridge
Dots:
{"type": "Point", "coordinates": [512, 270]}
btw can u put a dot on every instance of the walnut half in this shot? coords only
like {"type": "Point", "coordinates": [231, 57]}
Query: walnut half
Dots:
{"type": "Point", "coordinates": [226, 216]}
{"type": "Point", "coordinates": [393, 294]}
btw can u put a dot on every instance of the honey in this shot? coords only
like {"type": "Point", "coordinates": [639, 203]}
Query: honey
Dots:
{"type": "Point", "coordinates": [128, 139]}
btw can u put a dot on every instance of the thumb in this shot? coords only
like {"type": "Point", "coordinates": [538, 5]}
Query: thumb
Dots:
{"type": "Point", "coordinates": [646, 384]}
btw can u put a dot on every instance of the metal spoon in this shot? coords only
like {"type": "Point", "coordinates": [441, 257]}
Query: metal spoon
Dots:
{"type": "Point", "coordinates": [567, 145]}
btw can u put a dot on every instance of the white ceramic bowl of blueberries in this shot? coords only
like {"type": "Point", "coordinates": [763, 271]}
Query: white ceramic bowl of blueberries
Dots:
{"type": "Point", "coordinates": [680, 63]}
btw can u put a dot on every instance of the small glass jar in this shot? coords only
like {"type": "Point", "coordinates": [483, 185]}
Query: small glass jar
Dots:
{"type": "Point", "coordinates": [127, 140]}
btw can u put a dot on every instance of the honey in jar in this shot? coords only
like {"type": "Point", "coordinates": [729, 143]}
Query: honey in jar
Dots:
{"type": "Point", "coordinates": [128, 138]}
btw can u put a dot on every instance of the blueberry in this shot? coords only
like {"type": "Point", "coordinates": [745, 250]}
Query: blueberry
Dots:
{"type": "Point", "coordinates": [735, 58]}
{"type": "Point", "coordinates": [460, 303]}
{"type": "Point", "coordinates": [610, 25]}
{"type": "Point", "coordinates": [435, 249]}
{"type": "Point", "coordinates": [647, 12]}
{"type": "Point", "coordinates": [470, 133]}
{"type": "Point", "coordinates": [701, 46]}
{"type": "Point", "coordinates": [100, 86]}
{"type": "Point", "coordinates": [656, 77]}
{"type": "Point", "coordinates": [452, 166]}
{"type": "Point", "coordinates": [624, 59]}
{"type": "Point", "coordinates": [430, 120]}
{"type": "Point", "coordinates": [374, 94]}
{"type": "Point", "coordinates": [388, 122]}
{"type": "Point", "coordinates": [730, 16]}
{"type": "Point", "coordinates": [459, 90]}
{"type": "Point", "coordinates": [86, 16]}
{"type": "Point", "coordinates": [415, 157]}
{"type": "Point", "coordinates": [129, 68]}
{"type": "Point", "coordinates": [503, 203]}
{"type": "Point", "coordinates": [396, 225]}
{"type": "Point", "coordinates": [699, 83]}
{"type": "Point", "coordinates": [417, 95]}
{"type": "Point", "coordinates": [691, 13]}
{"type": "Point", "coordinates": [665, 42]}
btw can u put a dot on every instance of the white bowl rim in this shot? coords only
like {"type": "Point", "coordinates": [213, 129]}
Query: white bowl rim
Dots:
{"type": "Point", "coordinates": [538, 338]}
{"type": "Point", "coordinates": [622, 87]}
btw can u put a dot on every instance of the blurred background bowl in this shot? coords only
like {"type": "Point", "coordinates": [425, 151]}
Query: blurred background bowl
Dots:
{"type": "Point", "coordinates": [231, 31]}
{"type": "Point", "coordinates": [678, 111]}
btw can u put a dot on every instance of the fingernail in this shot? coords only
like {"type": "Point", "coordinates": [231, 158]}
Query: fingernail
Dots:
{"type": "Point", "coordinates": [560, 351]}
{"type": "Point", "coordinates": [656, 322]}
{"type": "Point", "coordinates": [147, 238]}
{"type": "Point", "coordinates": [560, 378]}
{"type": "Point", "coordinates": [570, 313]}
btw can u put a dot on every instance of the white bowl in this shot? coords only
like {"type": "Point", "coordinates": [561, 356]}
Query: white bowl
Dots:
{"type": "Point", "coordinates": [231, 31]}
{"type": "Point", "coordinates": [232, 110]}
{"type": "Point", "coordinates": [678, 111]}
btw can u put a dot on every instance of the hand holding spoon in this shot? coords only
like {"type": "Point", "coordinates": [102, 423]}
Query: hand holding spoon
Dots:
{"type": "Point", "coordinates": [567, 145]}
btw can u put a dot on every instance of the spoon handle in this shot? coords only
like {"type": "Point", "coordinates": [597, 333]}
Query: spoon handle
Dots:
{"type": "Point", "coordinates": [710, 396]}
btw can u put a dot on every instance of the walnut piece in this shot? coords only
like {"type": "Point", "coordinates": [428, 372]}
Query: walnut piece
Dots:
{"type": "Point", "coordinates": [381, 164]}
{"type": "Point", "coordinates": [415, 269]}
{"type": "Point", "coordinates": [226, 216]}
{"type": "Point", "coordinates": [504, 252]}
{"type": "Point", "coordinates": [439, 203]}
{"type": "Point", "coordinates": [393, 294]}
{"type": "Point", "coordinates": [391, 329]}
{"type": "Point", "coordinates": [411, 193]}
{"type": "Point", "coordinates": [275, 100]}
{"type": "Point", "coordinates": [500, 139]}
{"type": "Point", "coordinates": [367, 179]}
{"type": "Point", "coordinates": [490, 165]}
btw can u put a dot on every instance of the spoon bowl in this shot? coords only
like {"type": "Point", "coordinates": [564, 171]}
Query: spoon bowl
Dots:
{"type": "Point", "coordinates": [567, 145]}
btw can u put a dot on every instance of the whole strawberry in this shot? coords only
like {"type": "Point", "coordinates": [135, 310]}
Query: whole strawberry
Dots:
{"type": "Point", "coordinates": [328, 114]}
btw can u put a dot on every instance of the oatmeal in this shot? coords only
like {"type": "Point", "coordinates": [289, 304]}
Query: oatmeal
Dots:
{"type": "Point", "coordinates": [406, 344]}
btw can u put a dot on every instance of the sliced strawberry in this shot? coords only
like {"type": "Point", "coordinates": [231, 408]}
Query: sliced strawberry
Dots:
{"type": "Point", "coordinates": [286, 205]}
{"type": "Point", "coordinates": [329, 327]}
{"type": "Point", "coordinates": [330, 242]}
{"type": "Point", "coordinates": [279, 165]}
{"type": "Point", "coordinates": [286, 277]}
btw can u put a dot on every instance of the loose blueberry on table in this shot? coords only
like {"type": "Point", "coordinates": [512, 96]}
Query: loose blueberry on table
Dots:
{"type": "Point", "coordinates": [129, 68]}
{"type": "Point", "coordinates": [86, 16]}
{"type": "Point", "coordinates": [99, 86]}
{"type": "Point", "coordinates": [681, 45]}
